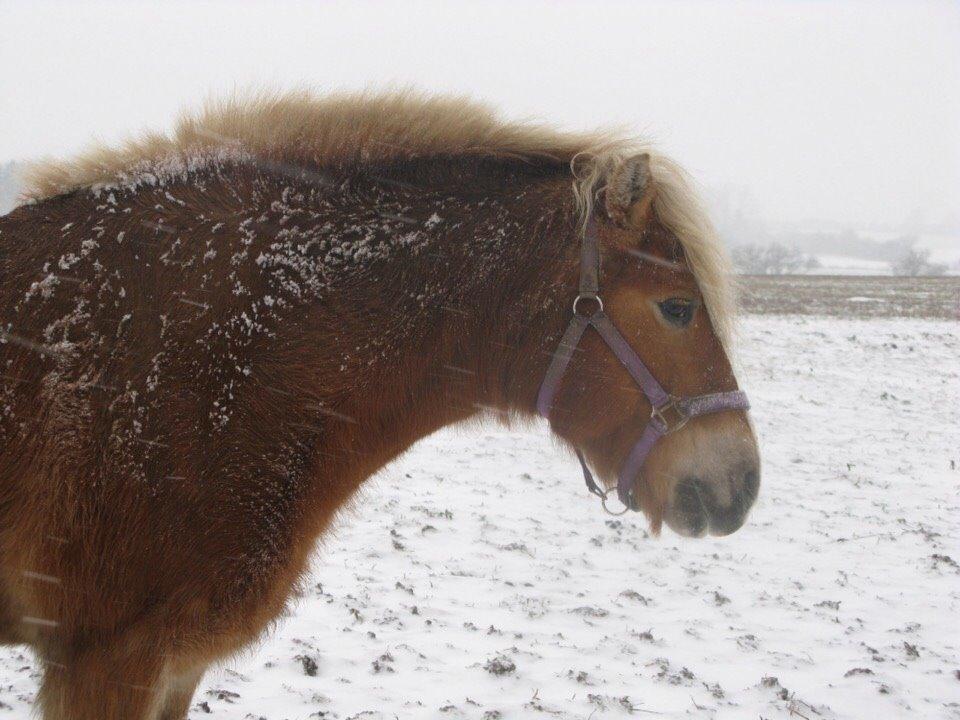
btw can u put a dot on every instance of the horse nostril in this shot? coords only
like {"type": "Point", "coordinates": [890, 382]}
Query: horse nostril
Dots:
{"type": "Point", "coordinates": [751, 487]}
{"type": "Point", "coordinates": [689, 507]}
{"type": "Point", "coordinates": [727, 518]}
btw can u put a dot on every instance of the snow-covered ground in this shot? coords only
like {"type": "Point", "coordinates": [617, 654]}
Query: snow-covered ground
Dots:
{"type": "Point", "coordinates": [477, 579]}
{"type": "Point", "coordinates": [843, 265]}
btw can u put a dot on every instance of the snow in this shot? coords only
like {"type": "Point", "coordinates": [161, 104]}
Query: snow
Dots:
{"type": "Point", "coordinates": [476, 578]}
{"type": "Point", "coordinates": [843, 265]}
{"type": "Point", "coordinates": [944, 247]}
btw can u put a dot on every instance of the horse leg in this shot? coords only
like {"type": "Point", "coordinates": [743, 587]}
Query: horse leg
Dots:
{"type": "Point", "coordinates": [102, 684]}
{"type": "Point", "coordinates": [179, 694]}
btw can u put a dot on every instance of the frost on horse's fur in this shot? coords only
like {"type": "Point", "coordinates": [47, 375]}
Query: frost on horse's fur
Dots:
{"type": "Point", "coordinates": [211, 340]}
{"type": "Point", "coordinates": [297, 130]}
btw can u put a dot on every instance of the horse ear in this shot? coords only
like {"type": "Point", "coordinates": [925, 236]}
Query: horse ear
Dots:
{"type": "Point", "coordinates": [630, 191]}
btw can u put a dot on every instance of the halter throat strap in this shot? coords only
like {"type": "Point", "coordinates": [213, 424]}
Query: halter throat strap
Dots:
{"type": "Point", "coordinates": [668, 413]}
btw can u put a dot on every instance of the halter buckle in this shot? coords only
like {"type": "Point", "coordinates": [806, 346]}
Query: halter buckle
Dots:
{"type": "Point", "coordinates": [669, 415]}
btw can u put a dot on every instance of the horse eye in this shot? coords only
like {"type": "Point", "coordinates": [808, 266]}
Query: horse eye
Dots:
{"type": "Point", "coordinates": [677, 311]}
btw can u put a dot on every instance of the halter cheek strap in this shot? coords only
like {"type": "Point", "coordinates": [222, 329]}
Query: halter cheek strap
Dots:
{"type": "Point", "coordinates": [668, 413]}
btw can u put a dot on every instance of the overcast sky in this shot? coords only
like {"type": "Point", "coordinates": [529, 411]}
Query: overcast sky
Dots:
{"type": "Point", "coordinates": [842, 111]}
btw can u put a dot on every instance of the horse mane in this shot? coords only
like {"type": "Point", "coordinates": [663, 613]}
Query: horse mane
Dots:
{"type": "Point", "coordinates": [350, 131]}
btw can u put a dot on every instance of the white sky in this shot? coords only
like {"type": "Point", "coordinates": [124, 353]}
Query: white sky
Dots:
{"type": "Point", "coordinates": [842, 111]}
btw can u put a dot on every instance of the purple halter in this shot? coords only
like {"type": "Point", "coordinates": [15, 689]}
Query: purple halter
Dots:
{"type": "Point", "coordinates": [668, 414]}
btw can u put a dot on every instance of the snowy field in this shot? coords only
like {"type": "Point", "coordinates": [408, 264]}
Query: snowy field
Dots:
{"type": "Point", "coordinates": [845, 296]}
{"type": "Point", "coordinates": [477, 579]}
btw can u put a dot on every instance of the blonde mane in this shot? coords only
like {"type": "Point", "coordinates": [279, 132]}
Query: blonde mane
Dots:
{"type": "Point", "coordinates": [351, 130]}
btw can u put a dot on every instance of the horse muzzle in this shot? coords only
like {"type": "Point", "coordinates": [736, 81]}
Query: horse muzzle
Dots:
{"type": "Point", "coordinates": [717, 507]}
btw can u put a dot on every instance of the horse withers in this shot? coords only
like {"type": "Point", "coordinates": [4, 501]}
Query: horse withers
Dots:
{"type": "Point", "coordinates": [208, 341]}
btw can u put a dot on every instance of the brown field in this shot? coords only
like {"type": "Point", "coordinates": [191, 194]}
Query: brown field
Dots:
{"type": "Point", "coordinates": [851, 296]}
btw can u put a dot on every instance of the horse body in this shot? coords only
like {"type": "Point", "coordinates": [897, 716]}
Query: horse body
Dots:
{"type": "Point", "coordinates": [201, 365]}
{"type": "Point", "coordinates": [195, 380]}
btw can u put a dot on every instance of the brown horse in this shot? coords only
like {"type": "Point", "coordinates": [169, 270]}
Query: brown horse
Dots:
{"type": "Point", "coordinates": [210, 340]}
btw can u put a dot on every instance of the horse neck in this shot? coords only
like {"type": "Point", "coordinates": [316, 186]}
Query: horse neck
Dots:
{"type": "Point", "coordinates": [462, 325]}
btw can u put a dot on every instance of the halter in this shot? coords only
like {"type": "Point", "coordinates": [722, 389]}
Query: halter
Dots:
{"type": "Point", "coordinates": [668, 413]}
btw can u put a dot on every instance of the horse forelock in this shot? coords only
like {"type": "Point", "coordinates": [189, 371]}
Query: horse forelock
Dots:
{"type": "Point", "coordinates": [680, 209]}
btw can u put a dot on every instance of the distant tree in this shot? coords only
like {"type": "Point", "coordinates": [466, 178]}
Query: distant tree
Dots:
{"type": "Point", "coordinates": [783, 259]}
{"type": "Point", "coordinates": [916, 261]}
{"type": "Point", "coordinates": [774, 258]}
{"type": "Point", "coordinates": [748, 259]}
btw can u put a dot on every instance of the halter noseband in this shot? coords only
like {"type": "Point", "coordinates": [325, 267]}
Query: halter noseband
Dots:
{"type": "Point", "coordinates": [668, 413]}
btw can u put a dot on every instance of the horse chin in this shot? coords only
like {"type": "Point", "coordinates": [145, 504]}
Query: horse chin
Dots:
{"type": "Point", "coordinates": [684, 526]}
{"type": "Point", "coordinates": [651, 507]}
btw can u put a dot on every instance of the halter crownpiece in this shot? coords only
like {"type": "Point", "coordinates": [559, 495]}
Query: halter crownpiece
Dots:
{"type": "Point", "coordinates": [668, 413]}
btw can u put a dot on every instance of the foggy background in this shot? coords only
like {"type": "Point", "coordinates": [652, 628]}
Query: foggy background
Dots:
{"type": "Point", "coordinates": [832, 129]}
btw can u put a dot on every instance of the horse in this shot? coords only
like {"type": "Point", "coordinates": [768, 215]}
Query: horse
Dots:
{"type": "Point", "coordinates": [211, 338]}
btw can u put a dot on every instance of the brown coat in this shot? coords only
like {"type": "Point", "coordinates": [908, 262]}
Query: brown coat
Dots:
{"type": "Point", "coordinates": [202, 358]}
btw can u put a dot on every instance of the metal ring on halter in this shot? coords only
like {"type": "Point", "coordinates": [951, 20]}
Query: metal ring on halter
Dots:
{"type": "Point", "coordinates": [603, 502]}
{"type": "Point", "coordinates": [587, 297]}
